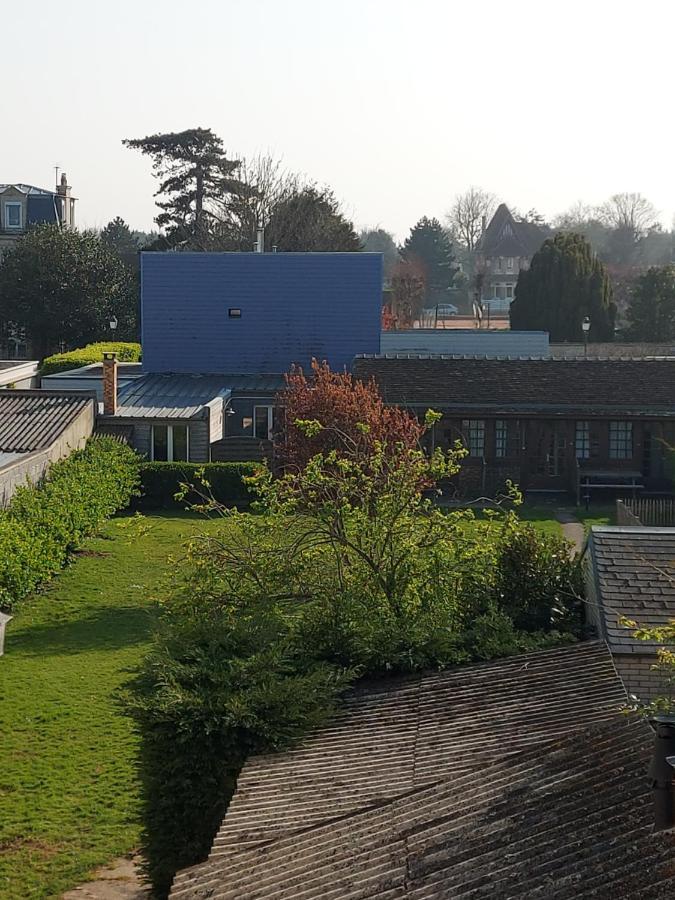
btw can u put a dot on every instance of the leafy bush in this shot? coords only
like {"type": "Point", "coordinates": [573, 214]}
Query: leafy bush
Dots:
{"type": "Point", "coordinates": [161, 481]}
{"type": "Point", "coordinates": [538, 584]}
{"type": "Point", "coordinates": [45, 522]}
{"type": "Point", "coordinates": [348, 572]}
{"type": "Point", "coordinates": [92, 353]}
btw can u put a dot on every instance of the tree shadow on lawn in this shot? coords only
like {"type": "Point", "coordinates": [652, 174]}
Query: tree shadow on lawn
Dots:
{"type": "Point", "coordinates": [103, 628]}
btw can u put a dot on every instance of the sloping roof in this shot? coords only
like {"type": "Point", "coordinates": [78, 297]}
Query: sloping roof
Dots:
{"type": "Point", "coordinates": [634, 570]}
{"type": "Point", "coordinates": [28, 189]}
{"type": "Point", "coordinates": [569, 819]}
{"type": "Point", "coordinates": [402, 735]}
{"type": "Point", "coordinates": [169, 396]}
{"type": "Point", "coordinates": [505, 236]}
{"type": "Point", "coordinates": [31, 420]}
{"type": "Point", "coordinates": [641, 387]}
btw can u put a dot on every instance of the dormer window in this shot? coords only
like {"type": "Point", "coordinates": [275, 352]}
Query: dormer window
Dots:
{"type": "Point", "coordinates": [12, 215]}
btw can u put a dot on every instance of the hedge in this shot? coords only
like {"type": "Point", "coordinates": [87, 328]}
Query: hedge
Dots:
{"type": "Point", "coordinates": [161, 481]}
{"type": "Point", "coordinates": [44, 523]}
{"type": "Point", "coordinates": [92, 353]}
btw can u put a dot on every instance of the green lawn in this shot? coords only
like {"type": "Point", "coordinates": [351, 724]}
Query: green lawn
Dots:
{"type": "Point", "coordinates": [68, 793]}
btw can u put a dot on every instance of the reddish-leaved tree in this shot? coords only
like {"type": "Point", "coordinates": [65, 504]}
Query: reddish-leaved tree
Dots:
{"type": "Point", "coordinates": [352, 414]}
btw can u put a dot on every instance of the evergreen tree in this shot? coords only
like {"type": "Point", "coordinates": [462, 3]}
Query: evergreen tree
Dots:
{"type": "Point", "coordinates": [565, 283]}
{"type": "Point", "coordinates": [63, 286]}
{"type": "Point", "coordinates": [377, 240]}
{"type": "Point", "coordinates": [310, 219]}
{"type": "Point", "coordinates": [651, 312]}
{"type": "Point", "coordinates": [121, 240]}
{"type": "Point", "coordinates": [429, 248]}
{"type": "Point", "coordinates": [196, 181]}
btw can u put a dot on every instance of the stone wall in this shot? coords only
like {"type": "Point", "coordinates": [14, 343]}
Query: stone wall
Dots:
{"type": "Point", "coordinates": [33, 466]}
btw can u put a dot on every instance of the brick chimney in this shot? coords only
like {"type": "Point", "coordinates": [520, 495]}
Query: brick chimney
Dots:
{"type": "Point", "coordinates": [661, 771]}
{"type": "Point", "coordinates": [109, 384]}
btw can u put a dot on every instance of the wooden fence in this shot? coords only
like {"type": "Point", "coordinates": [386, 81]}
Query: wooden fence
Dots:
{"type": "Point", "coordinates": [658, 511]}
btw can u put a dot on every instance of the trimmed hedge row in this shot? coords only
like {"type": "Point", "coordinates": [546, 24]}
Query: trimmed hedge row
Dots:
{"type": "Point", "coordinates": [92, 353]}
{"type": "Point", "coordinates": [161, 481]}
{"type": "Point", "coordinates": [44, 523]}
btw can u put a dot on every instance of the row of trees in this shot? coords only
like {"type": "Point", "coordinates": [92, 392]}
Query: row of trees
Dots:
{"type": "Point", "coordinates": [567, 282]}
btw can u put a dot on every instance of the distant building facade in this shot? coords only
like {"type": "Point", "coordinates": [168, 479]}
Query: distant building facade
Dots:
{"type": "Point", "coordinates": [505, 247]}
{"type": "Point", "coordinates": [23, 205]}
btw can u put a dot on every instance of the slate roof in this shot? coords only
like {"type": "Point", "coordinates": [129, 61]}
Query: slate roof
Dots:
{"type": "Point", "coordinates": [31, 420]}
{"type": "Point", "coordinates": [401, 736]}
{"type": "Point", "coordinates": [570, 819]}
{"type": "Point", "coordinates": [505, 236]}
{"type": "Point", "coordinates": [634, 573]}
{"type": "Point", "coordinates": [635, 387]}
{"type": "Point", "coordinates": [182, 396]}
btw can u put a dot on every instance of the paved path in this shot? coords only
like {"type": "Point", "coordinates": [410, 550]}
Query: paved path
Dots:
{"type": "Point", "coordinates": [572, 529]}
{"type": "Point", "coordinates": [119, 881]}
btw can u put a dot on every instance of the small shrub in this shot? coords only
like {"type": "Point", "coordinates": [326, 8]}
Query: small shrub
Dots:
{"type": "Point", "coordinates": [161, 481]}
{"type": "Point", "coordinates": [45, 522]}
{"type": "Point", "coordinates": [538, 584]}
{"type": "Point", "coordinates": [86, 356]}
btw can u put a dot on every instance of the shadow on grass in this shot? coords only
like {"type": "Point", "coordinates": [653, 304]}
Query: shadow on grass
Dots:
{"type": "Point", "coordinates": [104, 628]}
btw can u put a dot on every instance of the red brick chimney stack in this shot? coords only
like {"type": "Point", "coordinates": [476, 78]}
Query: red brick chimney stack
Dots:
{"type": "Point", "coordinates": [109, 384]}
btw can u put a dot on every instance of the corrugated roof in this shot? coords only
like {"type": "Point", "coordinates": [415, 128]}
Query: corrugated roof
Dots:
{"type": "Point", "coordinates": [571, 818]}
{"type": "Point", "coordinates": [634, 569]}
{"type": "Point", "coordinates": [184, 396]}
{"type": "Point", "coordinates": [31, 420]}
{"type": "Point", "coordinates": [400, 735]}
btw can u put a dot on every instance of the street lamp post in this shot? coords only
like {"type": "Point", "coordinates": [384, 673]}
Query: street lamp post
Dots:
{"type": "Point", "coordinates": [586, 327]}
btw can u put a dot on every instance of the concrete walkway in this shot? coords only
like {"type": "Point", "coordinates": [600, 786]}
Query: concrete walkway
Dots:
{"type": "Point", "coordinates": [572, 529]}
{"type": "Point", "coordinates": [121, 880]}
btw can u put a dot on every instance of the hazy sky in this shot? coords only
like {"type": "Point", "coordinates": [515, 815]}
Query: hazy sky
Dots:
{"type": "Point", "coordinates": [397, 105]}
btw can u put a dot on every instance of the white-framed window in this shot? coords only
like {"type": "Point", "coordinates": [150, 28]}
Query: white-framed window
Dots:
{"type": "Point", "coordinates": [13, 214]}
{"type": "Point", "coordinates": [498, 264]}
{"type": "Point", "coordinates": [582, 440]}
{"type": "Point", "coordinates": [501, 438]}
{"type": "Point", "coordinates": [263, 421]}
{"type": "Point", "coordinates": [509, 291]}
{"type": "Point", "coordinates": [170, 443]}
{"type": "Point", "coordinates": [509, 264]}
{"type": "Point", "coordinates": [620, 440]}
{"type": "Point", "coordinates": [474, 436]}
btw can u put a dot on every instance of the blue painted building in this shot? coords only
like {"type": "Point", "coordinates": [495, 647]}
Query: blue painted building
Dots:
{"type": "Point", "coordinates": [246, 313]}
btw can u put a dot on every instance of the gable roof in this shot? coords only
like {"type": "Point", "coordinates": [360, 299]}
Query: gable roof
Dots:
{"type": "Point", "coordinates": [402, 735]}
{"type": "Point", "coordinates": [634, 573]}
{"type": "Point", "coordinates": [32, 420]}
{"type": "Point", "coordinates": [505, 236]}
{"type": "Point", "coordinates": [570, 819]}
{"type": "Point", "coordinates": [28, 189]}
{"type": "Point", "coordinates": [634, 387]}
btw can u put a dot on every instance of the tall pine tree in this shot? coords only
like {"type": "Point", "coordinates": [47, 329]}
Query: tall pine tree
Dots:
{"type": "Point", "coordinates": [197, 181]}
{"type": "Point", "coordinates": [565, 283]}
{"type": "Point", "coordinates": [428, 249]}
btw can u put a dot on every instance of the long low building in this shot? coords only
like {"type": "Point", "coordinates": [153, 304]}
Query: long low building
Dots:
{"type": "Point", "coordinates": [573, 426]}
{"type": "Point", "coordinates": [38, 428]}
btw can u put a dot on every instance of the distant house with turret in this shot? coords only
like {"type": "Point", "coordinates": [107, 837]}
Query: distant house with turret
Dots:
{"type": "Point", "coordinates": [23, 205]}
{"type": "Point", "coordinates": [506, 246]}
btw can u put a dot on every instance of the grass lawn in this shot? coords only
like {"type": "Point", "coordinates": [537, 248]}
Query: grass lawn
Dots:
{"type": "Point", "coordinates": [68, 793]}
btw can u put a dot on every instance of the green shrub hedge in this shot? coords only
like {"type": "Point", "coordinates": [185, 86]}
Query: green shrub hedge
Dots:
{"type": "Point", "coordinates": [45, 522]}
{"type": "Point", "coordinates": [92, 353]}
{"type": "Point", "coordinates": [160, 481]}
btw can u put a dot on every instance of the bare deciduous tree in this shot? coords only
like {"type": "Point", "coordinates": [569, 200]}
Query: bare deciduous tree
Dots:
{"type": "Point", "coordinates": [465, 219]}
{"type": "Point", "coordinates": [631, 213]}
